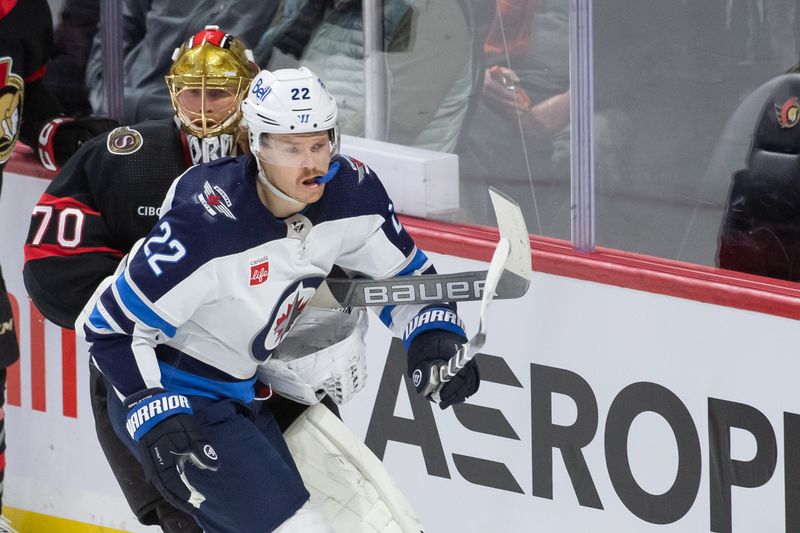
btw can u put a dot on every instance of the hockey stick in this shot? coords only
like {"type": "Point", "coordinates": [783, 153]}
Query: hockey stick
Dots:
{"type": "Point", "coordinates": [502, 259]}
{"type": "Point", "coordinates": [513, 282]}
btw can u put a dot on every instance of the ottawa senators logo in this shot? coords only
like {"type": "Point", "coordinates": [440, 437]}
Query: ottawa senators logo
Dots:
{"type": "Point", "coordinates": [124, 141]}
{"type": "Point", "coordinates": [12, 91]}
{"type": "Point", "coordinates": [788, 114]}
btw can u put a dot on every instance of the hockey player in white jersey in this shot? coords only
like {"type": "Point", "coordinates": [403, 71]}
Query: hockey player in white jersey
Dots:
{"type": "Point", "coordinates": [197, 306]}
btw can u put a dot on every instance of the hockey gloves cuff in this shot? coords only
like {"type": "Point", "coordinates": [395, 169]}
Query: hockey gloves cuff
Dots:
{"type": "Point", "coordinates": [434, 347]}
{"type": "Point", "coordinates": [163, 425]}
{"type": "Point", "coordinates": [61, 137]}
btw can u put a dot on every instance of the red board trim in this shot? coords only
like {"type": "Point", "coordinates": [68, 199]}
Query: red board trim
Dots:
{"type": "Point", "coordinates": [604, 265]}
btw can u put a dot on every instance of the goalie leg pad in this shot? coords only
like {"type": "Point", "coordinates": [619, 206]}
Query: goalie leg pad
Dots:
{"type": "Point", "coordinates": [347, 482]}
{"type": "Point", "coordinates": [307, 519]}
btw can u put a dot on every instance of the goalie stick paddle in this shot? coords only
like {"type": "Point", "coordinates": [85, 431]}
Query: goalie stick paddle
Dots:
{"type": "Point", "coordinates": [513, 282]}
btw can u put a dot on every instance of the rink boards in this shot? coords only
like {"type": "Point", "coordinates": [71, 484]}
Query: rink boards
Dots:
{"type": "Point", "coordinates": [602, 408]}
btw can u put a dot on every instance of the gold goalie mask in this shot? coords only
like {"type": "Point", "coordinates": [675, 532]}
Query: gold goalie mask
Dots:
{"type": "Point", "coordinates": [209, 77]}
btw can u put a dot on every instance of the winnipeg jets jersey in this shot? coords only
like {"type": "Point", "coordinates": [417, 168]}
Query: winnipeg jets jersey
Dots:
{"type": "Point", "coordinates": [211, 291]}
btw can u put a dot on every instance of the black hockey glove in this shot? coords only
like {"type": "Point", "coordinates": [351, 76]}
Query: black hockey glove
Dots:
{"type": "Point", "coordinates": [170, 437]}
{"type": "Point", "coordinates": [438, 346]}
{"type": "Point", "coordinates": [61, 137]}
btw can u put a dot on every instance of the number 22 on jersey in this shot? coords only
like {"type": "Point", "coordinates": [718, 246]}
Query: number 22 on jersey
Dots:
{"type": "Point", "coordinates": [178, 251]}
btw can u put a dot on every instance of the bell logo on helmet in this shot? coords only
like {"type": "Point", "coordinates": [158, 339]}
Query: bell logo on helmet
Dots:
{"type": "Point", "coordinates": [417, 377]}
{"type": "Point", "coordinates": [259, 90]}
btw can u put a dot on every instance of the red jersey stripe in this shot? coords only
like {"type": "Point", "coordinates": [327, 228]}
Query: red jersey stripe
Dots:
{"type": "Point", "coordinates": [6, 6]}
{"type": "Point", "coordinates": [62, 203]}
{"type": "Point", "coordinates": [32, 253]}
{"type": "Point", "coordinates": [36, 74]}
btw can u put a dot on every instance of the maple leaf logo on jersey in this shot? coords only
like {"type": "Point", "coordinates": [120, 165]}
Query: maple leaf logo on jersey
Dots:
{"type": "Point", "coordinates": [215, 200]}
{"type": "Point", "coordinates": [285, 312]}
{"type": "Point", "coordinates": [285, 322]}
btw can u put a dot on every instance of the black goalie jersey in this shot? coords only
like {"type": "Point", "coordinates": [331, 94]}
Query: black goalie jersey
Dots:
{"type": "Point", "coordinates": [104, 199]}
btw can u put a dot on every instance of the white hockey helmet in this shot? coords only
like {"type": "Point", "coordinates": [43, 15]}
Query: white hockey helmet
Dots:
{"type": "Point", "coordinates": [324, 353]}
{"type": "Point", "coordinates": [289, 101]}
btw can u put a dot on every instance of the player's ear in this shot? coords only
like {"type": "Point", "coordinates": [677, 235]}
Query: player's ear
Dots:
{"type": "Point", "coordinates": [242, 143]}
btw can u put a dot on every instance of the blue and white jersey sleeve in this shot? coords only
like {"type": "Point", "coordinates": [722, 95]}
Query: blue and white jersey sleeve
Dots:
{"type": "Point", "coordinates": [388, 251]}
{"type": "Point", "coordinates": [156, 289]}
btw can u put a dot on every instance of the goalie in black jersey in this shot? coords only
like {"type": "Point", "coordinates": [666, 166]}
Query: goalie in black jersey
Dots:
{"type": "Point", "coordinates": [107, 196]}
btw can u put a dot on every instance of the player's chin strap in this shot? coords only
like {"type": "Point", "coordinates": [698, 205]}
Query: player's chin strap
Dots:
{"type": "Point", "coordinates": [277, 192]}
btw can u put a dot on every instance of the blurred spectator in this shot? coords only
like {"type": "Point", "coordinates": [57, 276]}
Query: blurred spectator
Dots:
{"type": "Point", "coordinates": [433, 61]}
{"type": "Point", "coordinates": [519, 138]}
{"type": "Point", "coordinates": [72, 41]}
{"type": "Point", "coordinates": [729, 156]}
{"type": "Point", "coordinates": [709, 57]}
{"type": "Point", "coordinates": [740, 79]}
{"type": "Point", "coordinates": [152, 29]}
{"type": "Point", "coordinates": [761, 228]}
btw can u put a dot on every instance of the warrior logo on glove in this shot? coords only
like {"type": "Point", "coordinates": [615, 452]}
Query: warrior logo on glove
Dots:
{"type": "Point", "coordinates": [417, 377]}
